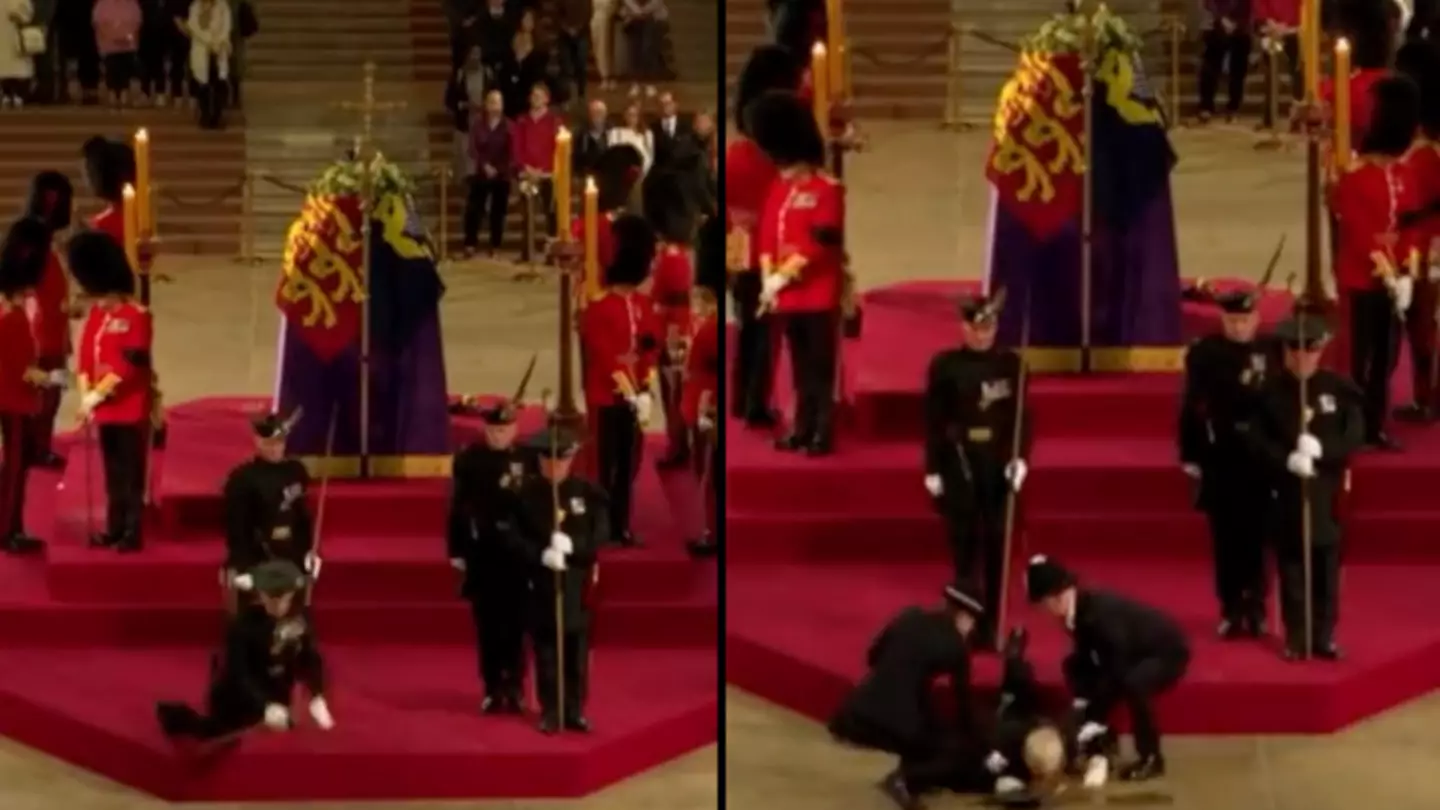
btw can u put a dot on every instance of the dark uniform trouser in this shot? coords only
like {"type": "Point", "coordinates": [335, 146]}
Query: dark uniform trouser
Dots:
{"type": "Point", "coordinates": [500, 635]}
{"type": "Point", "coordinates": [753, 371]}
{"type": "Point", "coordinates": [230, 707]}
{"type": "Point", "coordinates": [577, 670]}
{"type": "Point", "coordinates": [618, 451]}
{"type": "Point", "coordinates": [122, 450]}
{"type": "Point", "coordinates": [705, 464]}
{"type": "Point", "coordinates": [1324, 593]}
{"type": "Point", "coordinates": [1374, 349]}
{"type": "Point", "coordinates": [1142, 682]}
{"type": "Point", "coordinates": [43, 425]}
{"type": "Point", "coordinates": [1228, 51]}
{"type": "Point", "coordinates": [814, 349]}
{"type": "Point", "coordinates": [672, 382]}
{"type": "Point", "coordinates": [1237, 536]}
{"type": "Point", "coordinates": [926, 760]}
{"type": "Point", "coordinates": [976, 528]}
{"type": "Point", "coordinates": [19, 453]}
{"type": "Point", "coordinates": [1420, 331]}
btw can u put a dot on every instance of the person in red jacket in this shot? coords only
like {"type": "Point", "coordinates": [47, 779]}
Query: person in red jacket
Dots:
{"type": "Point", "coordinates": [1280, 20]}
{"type": "Point", "coordinates": [533, 137]}
{"type": "Point", "coordinates": [617, 170]}
{"type": "Point", "coordinates": [619, 337]}
{"type": "Point", "coordinates": [1368, 27]}
{"type": "Point", "coordinates": [114, 376]}
{"type": "Point", "coordinates": [748, 177]}
{"type": "Point", "coordinates": [802, 263]}
{"type": "Point", "coordinates": [699, 402]}
{"type": "Point", "coordinates": [671, 279]}
{"type": "Point", "coordinates": [1420, 60]}
{"type": "Point", "coordinates": [51, 203]}
{"type": "Point", "coordinates": [1375, 259]}
{"type": "Point", "coordinates": [22, 260]}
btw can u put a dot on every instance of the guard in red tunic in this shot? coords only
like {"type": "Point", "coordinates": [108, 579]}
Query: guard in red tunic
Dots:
{"type": "Point", "coordinates": [22, 259]}
{"type": "Point", "coordinates": [672, 216]}
{"type": "Point", "coordinates": [620, 338]}
{"type": "Point", "coordinates": [109, 167]}
{"type": "Point", "coordinates": [748, 177]}
{"type": "Point", "coordinates": [616, 173]}
{"type": "Point", "coordinates": [1368, 28]}
{"type": "Point", "coordinates": [699, 403]}
{"type": "Point", "coordinates": [1420, 61]}
{"type": "Point", "coordinates": [114, 375]}
{"type": "Point", "coordinates": [802, 263]}
{"type": "Point", "coordinates": [52, 204]}
{"type": "Point", "coordinates": [1375, 259]}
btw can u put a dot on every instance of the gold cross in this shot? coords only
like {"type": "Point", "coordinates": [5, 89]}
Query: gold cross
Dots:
{"type": "Point", "coordinates": [368, 106]}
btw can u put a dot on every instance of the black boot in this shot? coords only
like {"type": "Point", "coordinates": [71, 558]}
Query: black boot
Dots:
{"type": "Point", "coordinates": [1230, 628]}
{"type": "Point", "coordinates": [51, 461]}
{"type": "Point", "coordinates": [1150, 766]}
{"type": "Point", "coordinates": [492, 704]}
{"type": "Point", "coordinates": [21, 543]}
{"type": "Point", "coordinates": [703, 547]}
{"type": "Point", "coordinates": [129, 544]}
{"type": "Point", "coordinates": [103, 540]}
{"type": "Point", "coordinates": [549, 723]}
{"type": "Point", "coordinates": [792, 443]}
{"type": "Point", "coordinates": [577, 722]}
{"type": "Point", "coordinates": [895, 788]}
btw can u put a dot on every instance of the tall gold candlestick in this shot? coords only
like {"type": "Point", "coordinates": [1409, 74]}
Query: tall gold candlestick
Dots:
{"type": "Point", "coordinates": [130, 216]}
{"type": "Point", "coordinates": [591, 287]}
{"type": "Point", "coordinates": [1310, 42]}
{"type": "Point", "coordinates": [835, 42]}
{"type": "Point", "coordinates": [820, 86]}
{"type": "Point", "coordinates": [145, 220]}
{"type": "Point", "coordinates": [561, 174]}
{"type": "Point", "coordinates": [1342, 103]}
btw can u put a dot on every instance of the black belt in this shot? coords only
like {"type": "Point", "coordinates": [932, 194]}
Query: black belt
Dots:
{"type": "Point", "coordinates": [673, 300]}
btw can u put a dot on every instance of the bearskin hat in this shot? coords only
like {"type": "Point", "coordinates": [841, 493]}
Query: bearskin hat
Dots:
{"type": "Point", "coordinates": [1396, 118]}
{"type": "Point", "coordinates": [784, 128]}
{"type": "Point", "coordinates": [109, 166]}
{"type": "Point", "coordinates": [710, 257]}
{"type": "Point", "coordinates": [797, 30]}
{"type": "Point", "coordinates": [51, 200]}
{"type": "Point", "coordinates": [99, 265]}
{"type": "Point", "coordinates": [616, 173]}
{"type": "Point", "coordinates": [1419, 59]}
{"type": "Point", "coordinates": [667, 206]}
{"type": "Point", "coordinates": [24, 255]}
{"type": "Point", "coordinates": [1369, 26]}
{"type": "Point", "coordinates": [770, 67]}
{"type": "Point", "coordinates": [634, 251]}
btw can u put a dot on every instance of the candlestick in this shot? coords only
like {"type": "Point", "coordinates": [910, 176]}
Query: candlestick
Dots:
{"type": "Point", "coordinates": [144, 220]}
{"type": "Point", "coordinates": [835, 42]}
{"type": "Point", "coordinates": [1310, 43]}
{"type": "Point", "coordinates": [592, 240]}
{"type": "Point", "coordinates": [820, 87]}
{"type": "Point", "coordinates": [130, 217]}
{"type": "Point", "coordinates": [1342, 103]}
{"type": "Point", "coordinates": [560, 173]}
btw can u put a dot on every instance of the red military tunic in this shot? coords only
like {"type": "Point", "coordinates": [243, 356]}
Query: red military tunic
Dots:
{"type": "Point", "coordinates": [110, 342]}
{"type": "Point", "coordinates": [1367, 201]}
{"type": "Point", "coordinates": [1362, 101]}
{"type": "Point", "coordinates": [111, 221]}
{"type": "Point", "coordinates": [604, 240]}
{"type": "Point", "coordinates": [702, 370]}
{"type": "Point", "coordinates": [671, 279]}
{"type": "Point", "coordinates": [49, 310]}
{"type": "Point", "coordinates": [796, 209]}
{"type": "Point", "coordinates": [1424, 161]}
{"type": "Point", "coordinates": [749, 174]}
{"type": "Point", "coordinates": [18, 395]}
{"type": "Point", "coordinates": [619, 334]}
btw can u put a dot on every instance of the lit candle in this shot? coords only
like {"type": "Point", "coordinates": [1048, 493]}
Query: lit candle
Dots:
{"type": "Point", "coordinates": [835, 42]}
{"type": "Point", "coordinates": [1310, 42]}
{"type": "Point", "coordinates": [1342, 103]}
{"type": "Point", "coordinates": [591, 212]}
{"type": "Point", "coordinates": [846, 88]}
{"type": "Point", "coordinates": [561, 174]}
{"type": "Point", "coordinates": [130, 215]}
{"type": "Point", "coordinates": [145, 219]}
{"type": "Point", "coordinates": [820, 87]}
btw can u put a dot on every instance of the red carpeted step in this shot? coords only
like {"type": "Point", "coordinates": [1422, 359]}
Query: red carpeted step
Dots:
{"type": "Point", "coordinates": [797, 635]}
{"type": "Point", "coordinates": [407, 725]}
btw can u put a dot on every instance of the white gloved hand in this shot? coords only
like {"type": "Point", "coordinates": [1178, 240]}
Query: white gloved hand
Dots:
{"type": "Point", "coordinates": [552, 558]}
{"type": "Point", "coordinates": [1008, 784]}
{"type": "Point", "coordinates": [59, 378]}
{"type": "Point", "coordinates": [1300, 464]}
{"type": "Point", "coordinates": [457, 563]}
{"type": "Point", "coordinates": [996, 762]}
{"type": "Point", "coordinates": [312, 565]}
{"type": "Point", "coordinates": [320, 713]}
{"type": "Point", "coordinates": [1402, 289]}
{"type": "Point", "coordinates": [1191, 470]}
{"type": "Point", "coordinates": [934, 486]}
{"type": "Point", "coordinates": [1090, 731]}
{"type": "Point", "coordinates": [772, 285]}
{"type": "Point", "coordinates": [243, 582]}
{"type": "Point", "coordinates": [1015, 473]}
{"type": "Point", "coordinates": [562, 543]}
{"type": "Point", "coordinates": [643, 405]}
{"type": "Point", "coordinates": [1309, 445]}
{"type": "Point", "coordinates": [1097, 772]}
{"type": "Point", "coordinates": [90, 401]}
{"type": "Point", "coordinates": [277, 717]}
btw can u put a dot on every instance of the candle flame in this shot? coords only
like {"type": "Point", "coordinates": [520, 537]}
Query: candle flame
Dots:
{"type": "Point", "coordinates": [818, 50]}
{"type": "Point", "coordinates": [563, 134]}
{"type": "Point", "coordinates": [1342, 45]}
{"type": "Point", "coordinates": [128, 192]}
{"type": "Point", "coordinates": [142, 134]}
{"type": "Point", "coordinates": [590, 187]}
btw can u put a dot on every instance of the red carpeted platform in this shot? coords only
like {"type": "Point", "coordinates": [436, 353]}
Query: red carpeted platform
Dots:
{"type": "Point", "coordinates": [94, 638]}
{"type": "Point", "coordinates": [821, 552]}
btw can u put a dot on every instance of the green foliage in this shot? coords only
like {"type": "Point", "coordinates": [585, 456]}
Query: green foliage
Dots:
{"type": "Point", "coordinates": [347, 177]}
{"type": "Point", "coordinates": [1067, 33]}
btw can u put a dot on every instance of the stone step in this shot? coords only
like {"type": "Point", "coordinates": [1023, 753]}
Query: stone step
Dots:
{"type": "Point", "coordinates": [384, 56]}
{"type": "Point", "coordinates": [336, 73]}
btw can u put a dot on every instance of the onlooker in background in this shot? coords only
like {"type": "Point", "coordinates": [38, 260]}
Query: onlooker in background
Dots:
{"type": "Point", "coordinates": [602, 40]}
{"type": "Point", "coordinates": [76, 31]}
{"type": "Point", "coordinates": [44, 90]}
{"type": "Point", "coordinates": [574, 26]}
{"type": "Point", "coordinates": [1226, 47]}
{"type": "Point", "coordinates": [593, 140]}
{"type": "Point", "coordinates": [466, 90]}
{"type": "Point", "coordinates": [17, 68]}
{"type": "Point", "coordinates": [462, 17]}
{"type": "Point", "coordinates": [671, 131]}
{"type": "Point", "coordinates": [177, 52]}
{"type": "Point", "coordinates": [210, 29]}
{"type": "Point", "coordinates": [707, 141]}
{"type": "Point", "coordinates": [496, 27]}
{"type": "Point", "coordinates": [525, 65]}
{"type": "Point", "coordinates": [117, 37]}
{"type": "Point", "coordinates": [1280, 20]}
{"type": "Point", "coordinates": [633, 132]}
{"type": "Point", "coordinates": [643, 22]}
{"type": "Point", "coordinates": [155, 25]}
{"type": "Point", "coordinates": [533, 138]}
{"type": "Point", "coordinates": [491, 152]}
{"type": "Point", "coordinates": [243, 25]}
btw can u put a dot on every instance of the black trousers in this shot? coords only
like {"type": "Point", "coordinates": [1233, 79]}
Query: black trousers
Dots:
{"type": "Point", "coordinates": [814, 350]}
{"type": "Point", "coordinates": [231, 706]}
{"type": "Point", "coordinates": [672, 381]}
{"type": "Point", "coordinates": [753, 370]}
{"type": "Point", "coordinates": [1420, 335]}
{"type": "Point", "coordinates": [78, 46]}
{"type": "Point", "coordinates": [1374, 351]}
{"type": "Point", "coordinates": [705, 464]}
{"type": "Point", "coordinates": [1136, 689]}
{"type": "Point", "coordinates": [1217, 49]}
{"type": "Point", "coordinates": [577, 670]}
{"type": "Point", "coordinates": [618, 451]}
{"type": "Point", "coordinates": [500, 641]}
{"type": "Point", "coordinates": [18, 437]}
{"type": "Point", "coordinates": [119, 71]}
{"type": "Point", "coordinates": [1237, 536]}
{"type": "Point", "coordinates": [974, 512]}
{"type": "Point", "coordinates": [43, 425]}
{"type": "Point", "coordinates": [164, 60]}
{"type": "Point", "coordinates": [122, 451]}
{"type": "Point", "coordinates": [486, 195]}
{"type": "Point", "coordinates": [213, 96]}
{"type": "Point", "coordinates": [1324, 593]}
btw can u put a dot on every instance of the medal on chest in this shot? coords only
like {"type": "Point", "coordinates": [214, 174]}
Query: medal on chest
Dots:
{"type": "Point", "coordinates": [287, 633]}
{"type": "Point", "coordinates": [512, 476]}
{"type": "Point", "coordinates": [289, 495]}
{"type": "Point", "coordinates": [1254, 373]}
{"type": "Point", "coordinates": [993, 391]}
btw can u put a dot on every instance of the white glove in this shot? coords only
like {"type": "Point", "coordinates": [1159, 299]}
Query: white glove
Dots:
{"type": "Point", "coordinates": [1015, 473]}
{"type": "Point", "coordinates": [1191, 470]}
{"type": "Point", "coordinates": [1008, 784]}
{"type": "Point", "coordinates": [643, 405]}
{"type": "Point", "coordinates": [1300, 464]}
{"type": "Point", "coordinates": [88, 403]}
{"type": "Point", "coordinates": [1079, 704]}
{"type": "Point", "coordinates": [59, 378]}
{"type": "Point", "coordinates": [706, 424]}
{"type": "Point", "coordinates": [243, 582]}
{"type": "Point", "coordinates": [1308, 445]}
{"type": "Point", "coordinates": [552, 558]}
{"type": "Point", "coordinates": [1090, 731]}
{"type": "Point", "coordinates": [934, 486]}
{"type": "Point", "coordinates": [312, 565]}
{"type": "Point", "coordinates": [457, 563]}
{"type": "Point", "coordinates": [1097, 772]}
{"type": "Point", "coordinates": [320, 713]}
{"type": "Point", "coordinates": [562, 543]}
{"type": "Point", "coordinates": [772, 285]}
{"type": "Point", "coordinates": [1402, 289]}
{"type": "Point", "coordinates": [996, 762]}
{"type": "Point", "coordinates": [277, 717]}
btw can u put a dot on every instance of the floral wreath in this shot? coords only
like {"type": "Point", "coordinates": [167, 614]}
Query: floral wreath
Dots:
{"type": "Point", "coordinates": [1065, 33]}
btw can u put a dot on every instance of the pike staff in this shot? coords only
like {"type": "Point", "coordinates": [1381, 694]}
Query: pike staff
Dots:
{"type": "Point", "coordinates": [1016, 445]}
{"type": "Point", "coordinates": [1307, 529]}
{"type": "Point", "coordinates": [323, 499]}
{"type": "Point", "coordinates": [559, 513]}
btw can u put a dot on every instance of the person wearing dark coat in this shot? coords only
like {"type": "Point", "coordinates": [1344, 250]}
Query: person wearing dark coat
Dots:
{"type": "Point", "coordinates": [75, 35]}
{"type": "Point", "coordinates": [1124, 652]}
{"type": "Point", "coordinates": [891, 708]}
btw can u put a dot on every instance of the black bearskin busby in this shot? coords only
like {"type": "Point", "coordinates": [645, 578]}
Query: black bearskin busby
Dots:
{"type": "Point", "coordinates": [784, 128]}
{"type": "Point", "coordinates": [667, 206]}
{"type": "Point", "coordinates": [710, 257]}
{"type": "Point", "coordinates": [616, 173]}
{"type": "Point", "coordinates": [770, 67]}
{"type": "Point", "coordinates": [109, 166]}
{"type": "Point", "coordinates": [798, 30]}
{"type": "Point", "coordinates": [23, 256]}
{"type": "Point", "coordinates": [51, 200]}
{"type": "Point", "coordinates": [1369, 26]}
{"type": "Point", "coordinates": [99, 265]}
{"type": "Point", "coordinates": [634, 251]}
{"type": "Point", "coordinates": [1396, 119]}
{"type": "Point", "coordinates": [1419, 59]}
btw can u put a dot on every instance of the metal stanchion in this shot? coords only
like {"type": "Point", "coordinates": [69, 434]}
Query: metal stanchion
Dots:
{"type": "Point", "coordinates": [1270, 47]}
{"type": "Point", "coordinates": [954, 115]}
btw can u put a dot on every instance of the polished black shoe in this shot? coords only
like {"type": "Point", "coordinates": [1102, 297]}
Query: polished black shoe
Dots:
{"type": "Point", "coordinates": [51, 461]}
{"type": "Point", "coordinates": [549, 724]}
{"type": "Point", "coordinates": [1414, 413]}
{"type": "Point", "coordinates": [129, 544]}
{"type": "Point", "coordinates": [1383, 442]}
{"type": "Point", "coordinates": [791, 444]}
{"type": "Point", "coordinates": [492, 704]}
{"type": "Point", "coordinates": [21, 544]}
{"type": "Point", "coordinates": [764, 420]}
{"type": "Point", "coordinates": [627, 540]}
{"type": "Point", "coordinates": [1229, 629]}
{"type": "Point", "coordinates": [512, 702]}
{"type": "Point", "coordinates": [1144, 769]}
{"type": "Point", "coordinates": [1256, 627]}
{"type": "Point", "coordinates": [703, 547]}
{"type": "Point", "coordinates": [103, 540]}
{"type": "Point", "coordinates": [1328, 652]}
{"type": "Point", "coordinates": [819, 449]}
{"type": "Point", "coordinates": [895, 788]}
{"type": "Point", "coordinates": [579, 724]}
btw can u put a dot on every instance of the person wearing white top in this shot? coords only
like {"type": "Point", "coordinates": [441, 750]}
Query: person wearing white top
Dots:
{"type": "Point", "coordinates": [209, 28]}
{"type": "Point", "coordinates": [633, 132]}
{"type": "Point", "coordinates": [16, 67]}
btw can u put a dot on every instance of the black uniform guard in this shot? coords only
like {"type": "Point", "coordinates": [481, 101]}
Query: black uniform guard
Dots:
{"type": "Point", "coordinates": [1305, 457]}
{"type": "Point", "coordinates": [488, 477]}
{"type": "Point", "coordinates": [1223, 376]}
{"type": "Point", "coordinates": [267, 516]}
{"type": "Point", "coordinates": [560, 553]}
{"type": "Point", "coordinates": [1028, 751]}
{"type": "Point", "coordinates": [1124, 652]}
{"type": "Point", "coordinates": [890, 710]}
{"type": "Point", "coordinates": [971, 403]}
{"type": "Point", "coordinates": [269, 649]}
